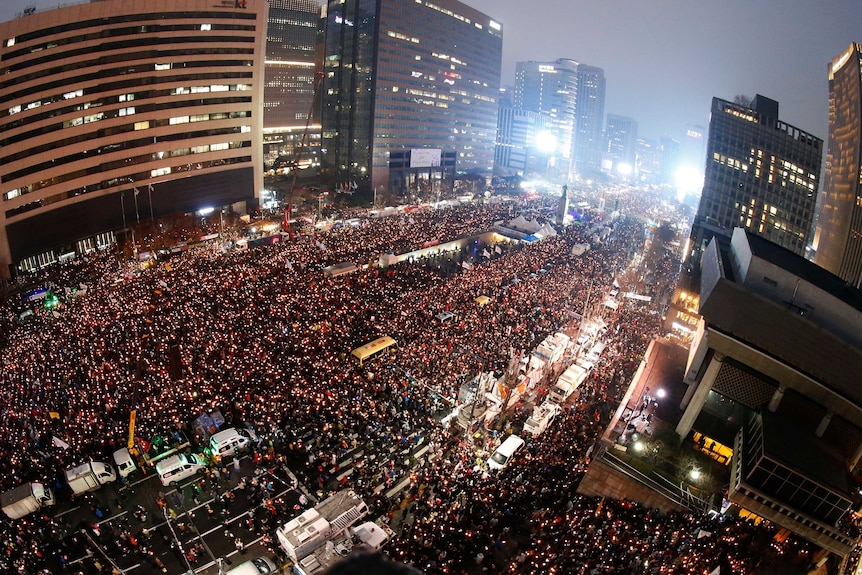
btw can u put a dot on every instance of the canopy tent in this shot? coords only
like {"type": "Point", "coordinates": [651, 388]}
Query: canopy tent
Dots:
{"type": "Point", "coordinates": [482, 300]}
{"type": "Point", "coordinates": [523, 224]}
{"type": "Point", "coordinates": [546, 231]}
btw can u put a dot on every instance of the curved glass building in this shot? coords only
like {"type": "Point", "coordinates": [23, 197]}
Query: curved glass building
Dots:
{"type": "Point", "coordinates": [111, 111]}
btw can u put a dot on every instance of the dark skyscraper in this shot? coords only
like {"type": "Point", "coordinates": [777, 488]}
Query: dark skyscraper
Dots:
{"type": "Point", "coordinates": [392, 84]}
{"type": "Point", "coordinates": [622, 136]}
{"type": "Point", "coordinates": [289, 73]}
{"type": "Point", "coordinates": [669, 159]}
{"type": "Point", "coordinates": [516, 152]}
{"type": "Point", "coordinates": [839, 229]}
{"type": "Point", "coordinates": [761, 174]}
{"type": "Point", "coordinates": [590, 111]}
{"type": "Point", "coordinates": [550, 89]}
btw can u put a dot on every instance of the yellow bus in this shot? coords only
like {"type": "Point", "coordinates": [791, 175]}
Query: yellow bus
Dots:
{"type": "Point", "coordinates": [373, 347]}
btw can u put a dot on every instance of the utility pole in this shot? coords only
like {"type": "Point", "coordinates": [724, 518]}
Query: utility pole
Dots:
{"type": "Point", "coordinates": [102, 551]}
{"type": "Point", "coordinates": [177, 541]}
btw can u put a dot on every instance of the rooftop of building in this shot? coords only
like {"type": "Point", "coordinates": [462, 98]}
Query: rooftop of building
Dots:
{"type": "Point", "coordinates": [772, 327]}
{"type": "Point", "coordinates": [798, 449]}
{"type": "Point", "coordinates": [763, 111]}
{"type": "Point", "coordinates": [805, 270]}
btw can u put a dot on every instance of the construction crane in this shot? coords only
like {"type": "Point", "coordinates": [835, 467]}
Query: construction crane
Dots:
{"type": "Point", "coordinates": [303, 146]}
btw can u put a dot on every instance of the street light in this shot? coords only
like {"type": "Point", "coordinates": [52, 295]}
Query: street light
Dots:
{"type": "Point", "coordinates": [177, 542]}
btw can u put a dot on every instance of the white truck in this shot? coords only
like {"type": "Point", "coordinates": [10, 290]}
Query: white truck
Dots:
{"type": "Point", "coordinates": [26, 499]}
{"type": "Point", "coordinates": [367, 537]}
{"type": "Point", "coordinates": [314, 527]}
{"type": "Point", "coordinates": [568, 382]}
{"type": "Point", "coordinates": [552, 347]}
{"type": "Point", "coordinates": [90, 476]}
{"type": "Point", "coordinates": [542, 417]}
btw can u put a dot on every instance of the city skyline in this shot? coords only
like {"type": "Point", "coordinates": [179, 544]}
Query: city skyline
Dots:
{"type": "Point", "coordinates": [652, 51]}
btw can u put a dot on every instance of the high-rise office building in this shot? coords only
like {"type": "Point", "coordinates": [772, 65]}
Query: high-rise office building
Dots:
{"type": "Point", "coordinates": [392, 84]}
{"type": "Point", "coordinates": [288, 92]}
{"type": "Point", "coordinates": [621, 135]}
{"type": "Point", "coordinates": [761, 174]}
{"type": "Point", "coordinates": [551, 89]}
{"type": "Point", "coordinates": [590, 111]}
{"type": "Point", "coordinates": [839, 228]}
{"type": "Point", "coordinates": [517, 151]}
{"type": "Point", "coordinates": [117, 111]}
{"type": "Point", "coordinates": [669, 159]}
{"type": "Point", "coordinates": [648, 154]}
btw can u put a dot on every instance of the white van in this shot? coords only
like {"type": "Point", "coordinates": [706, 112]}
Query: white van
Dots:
{"type": "Point", "coordinates": [259, 566]}
{"type": "Point", "coordinates": [228, 441]}
{"type": "Point", "coordinates": [125, 464]}
{"type": "Point", "coordinates": [178, 467]}
{"type": "Point", "coordinates": [596, 352]}
{"type": "Point", "coordinates": [542, 417]}
{"type": "Point", "coordinates": [501, 458]}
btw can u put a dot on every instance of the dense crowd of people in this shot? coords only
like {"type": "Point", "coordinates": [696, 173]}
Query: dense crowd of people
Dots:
{"type": "Point", "coordinates": [265, 337]}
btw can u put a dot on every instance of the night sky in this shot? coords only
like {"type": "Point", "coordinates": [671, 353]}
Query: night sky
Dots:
{"type": "Point", "coordinates": [665, 59]}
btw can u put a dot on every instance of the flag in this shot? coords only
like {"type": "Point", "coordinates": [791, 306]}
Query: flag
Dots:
{"type": "Point", "coordinates": [60, 443]}
{"type": "Point", "coordinates": [498, 250]}
{"type": "Point", "coordinates": [137, 191]}
{"type": "Point", "coordinates": [353, 185]}
{"type": "Point", "coordinates": [143, 443]}
{"type": "Point", "coordinates": [486, 253]}
{"type": "Point", "coordinates": [320, 245]}
{"type": "Point", "coordinates": [288, 264]}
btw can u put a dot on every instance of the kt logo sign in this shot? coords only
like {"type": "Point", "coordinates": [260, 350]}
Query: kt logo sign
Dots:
{"type": "Point", "coordinates": [241, 4]}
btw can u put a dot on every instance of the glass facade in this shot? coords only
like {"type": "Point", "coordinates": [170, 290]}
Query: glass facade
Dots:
{"type": "Point", "coordinates": [761, 175]}
{"type": "Point", "coordinates": [551, 89]}
{"type": "Point", "coordinates": [390, 84]}
{"type": "Point", "coordinates": [839, 228]}
{"type": "Point", "coordinates": [590, 110]}
{"type": "Point", "coordinates": [766, 472]}
{"type": "Point", "coordinates": [289, 78]}
{"type": "Point", "coordinates": [288, 93]}
{"type": "Point", "coordinates": [622, 135]}
{"type": "Point", "coordinates": [516, 152]}
{"type": "Point", "coordinates": [102, 98]}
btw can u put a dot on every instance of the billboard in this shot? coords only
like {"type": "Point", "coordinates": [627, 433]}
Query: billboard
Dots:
{"type": "Point", "coordinates": [425, 157]}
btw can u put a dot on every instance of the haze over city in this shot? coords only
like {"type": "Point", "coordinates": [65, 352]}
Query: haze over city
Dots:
{"type": "Point", "coordinates": [665, 59]}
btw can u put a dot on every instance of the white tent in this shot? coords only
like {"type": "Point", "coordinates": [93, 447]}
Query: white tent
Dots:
{"type": "Point", "coordinates": [546, 231]}
{"type": "Point", "coordinates": [522, 224]}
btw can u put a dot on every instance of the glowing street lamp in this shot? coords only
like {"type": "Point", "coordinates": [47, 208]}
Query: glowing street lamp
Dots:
{"type": "Point", "coordinates": [546, 142]}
